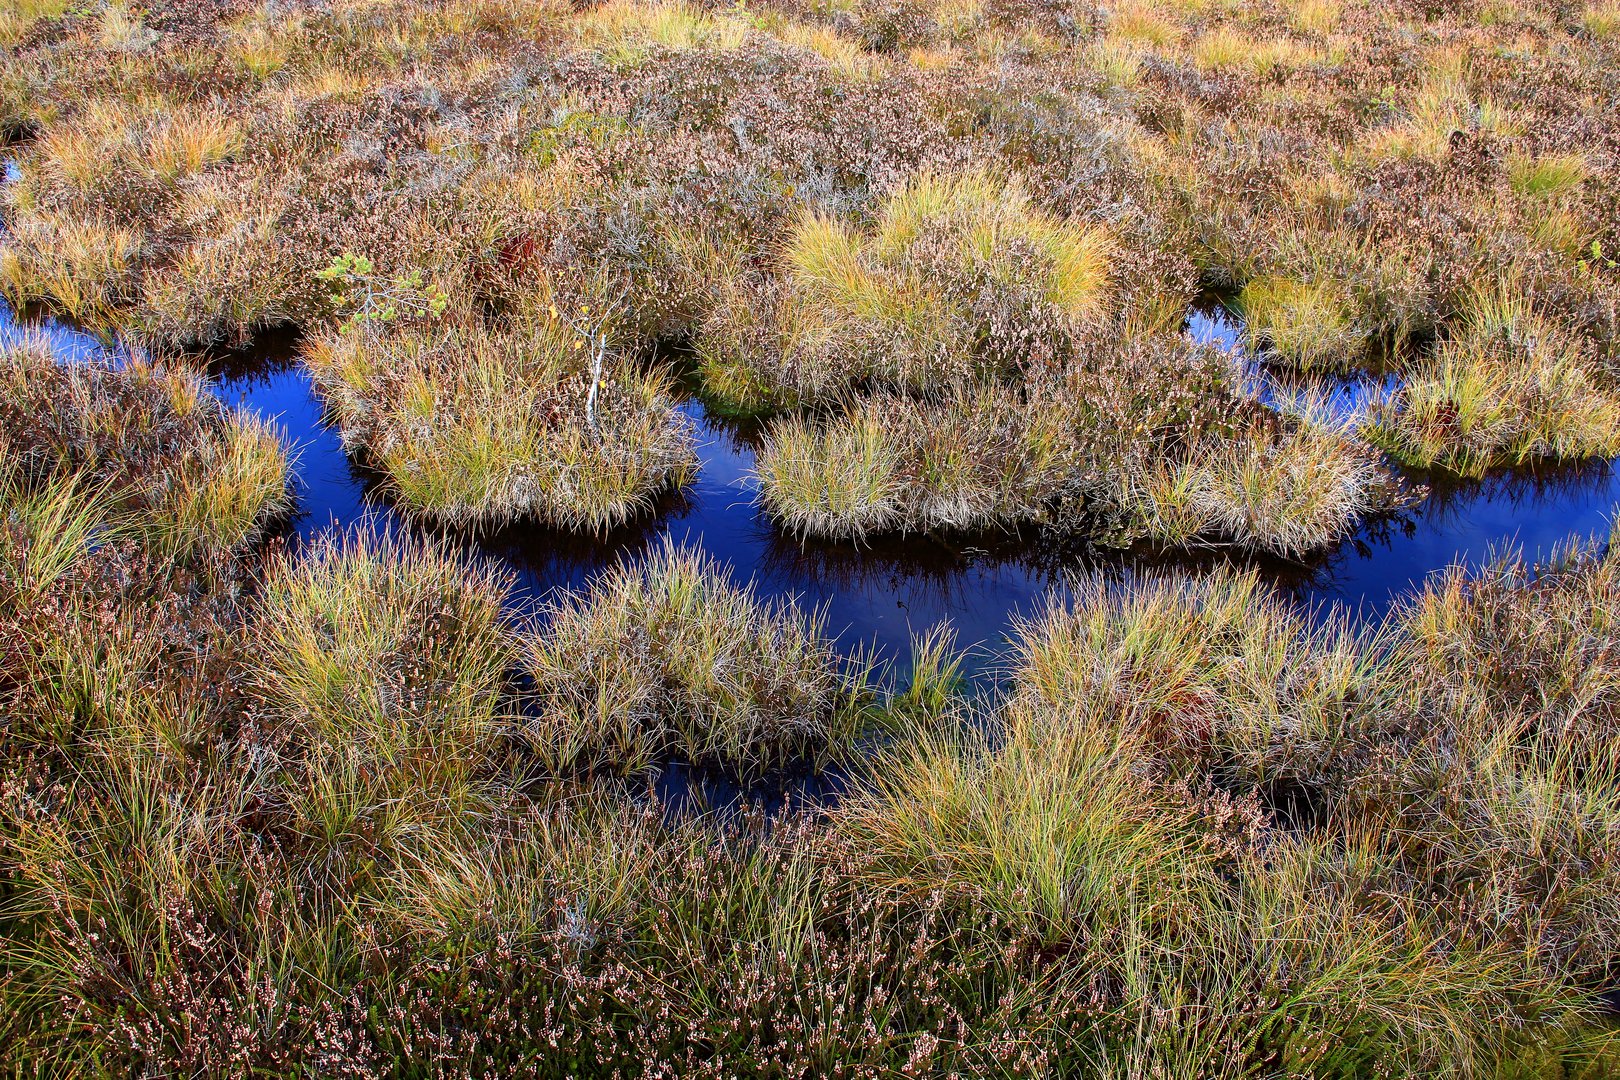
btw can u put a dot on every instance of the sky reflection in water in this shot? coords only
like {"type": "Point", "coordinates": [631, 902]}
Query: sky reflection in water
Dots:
{"type": "Point", "coordinates": [879, 595]}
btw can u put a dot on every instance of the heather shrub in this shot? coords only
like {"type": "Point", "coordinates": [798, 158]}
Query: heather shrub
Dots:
{"type": "Point", "coordinates": [703, 947]}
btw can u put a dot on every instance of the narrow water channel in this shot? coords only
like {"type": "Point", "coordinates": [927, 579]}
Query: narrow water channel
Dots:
{"type": "Point", "coordinates": [879, 595]}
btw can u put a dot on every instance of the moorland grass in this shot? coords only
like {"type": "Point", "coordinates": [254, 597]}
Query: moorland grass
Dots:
{"type": "Point", "coordinates": [477, 429]}
{"type": "Point", "coordinates": [81, 266]}
{"type": "Point", "coordinates": [672, 657]}
{"type": "Point", "coordinates": [1060, 456]}
{"type": "Point", "coordinates": [183, 469]}
{"type": "Point", "coordinates": [949, 285]}
{"type": "Point", "coordinates": [1509, 389]}
{"type": "Point", "coordinates": [1305, 324]}
{"type": "Point", "coordinates": [379, 676]}
{"type": "Point", "coordinates": [896, 464]}
{"type": "Point", "coordinates": [1453, 740]}
{"type": "Point", "coordinates": [1287, 492]}
{"type": "Point", "coordinates": [1215, 949]}
{"type": "Point", "coordinates": [333, 814]}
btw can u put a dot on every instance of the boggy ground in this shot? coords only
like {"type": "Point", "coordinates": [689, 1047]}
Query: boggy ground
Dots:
{"type": "Point", "coordinates": [339, 812]}
{"type": "Point", "coordinates": [946, 248]}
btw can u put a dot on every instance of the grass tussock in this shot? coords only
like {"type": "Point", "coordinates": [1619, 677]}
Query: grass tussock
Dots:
{"type": "Point", "coordinates": [948, 285]}
{"type": "Point", "coordinates": [1443, 745]}
{"type": "Point", "coordinates": [23, 16]}
{"type": "Point", "coordinates": [1125, 447]}
{"type": "Point", "coordinates": [625, 31]}
{"type": "Point", "coordinates": [1305, 324]}
{"type": "Point", "coordinates": [184, 471]}
{"type": "Point", "coordinates": [1288, 492]}
{"type": "Point", "coordinates": [476, 429]}
{"type": "Point", "coordinates": [895, 463]}
{"type": "Point", "coordinates": [672, 657]}
{"type": "Point", "coordinates": [1529, 644]}
{"type": "Point", "coordinates": [80, 266]}
{"type": "Point", "coordinates": [1509, 389]}
{"type": "Point", "coordinates": [1214, 675]}
{"type": "Point", "coordinates": [380, 669]}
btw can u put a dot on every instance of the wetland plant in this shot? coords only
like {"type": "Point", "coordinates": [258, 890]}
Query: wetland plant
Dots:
{"type": "Point", "coordinates": [183, 469]}
{"type": "Point", "coordinates": [473, 428]}
{"type": "Point", "coordinates": [671, 656]}
{"type": "Point", "coordinates": [336, 812]}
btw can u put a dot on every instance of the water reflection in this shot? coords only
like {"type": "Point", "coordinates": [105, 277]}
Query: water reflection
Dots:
{"type": "Point", "coordinates": [66, 342]}
{"type": "Point", "coordinates": [1341, 397]}
{"type": "Point", "coordinates": [1465, 521]}
{"type": "Point", "coordinates": [879, 595]}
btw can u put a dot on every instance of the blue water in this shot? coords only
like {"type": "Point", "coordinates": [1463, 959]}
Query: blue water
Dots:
{"type": "Point", "coordinates": [1463, 521]}
{"type": "Point", "coordinates": [875, 597]}
{"type": "Point", "coordinates": [878, 596]}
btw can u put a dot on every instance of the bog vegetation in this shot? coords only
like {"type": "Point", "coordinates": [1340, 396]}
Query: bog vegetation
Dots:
{"type": "Point", "coordinates": [343, 809]}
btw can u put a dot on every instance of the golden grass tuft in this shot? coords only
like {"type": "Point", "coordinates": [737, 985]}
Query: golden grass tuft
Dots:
{"type": "Point", "coordinates": [925, 299]}
{"type": "Point", "coordinates": [474, 428]}
{"type": "Point", "coordinates": [1318, 17]}
{"type": "Point", "coordinates": [19, 18]}
{"type": "Point", "coordinates": [81, 267]}
{"type": "Point", "coordinates": [832, 478]}
{"type": "Point", "coordinates": [1297, 491]}
{"type": "Point", "coordinates": [1602, 20]}
{"type": "Point", "coordinates": [1144, 23]}
{"type": "Point", "coordinates": [971, 460]}
{"type": "Point", "coordinates": [1547, 176]}
{"type": "Point", "coordinates": [626, 31]}
{"type": "Point", "coordinates": [187, 475]}
{"type": "Point", "coordinates": [1508, 389]}
{"type": "Point", "coordinates": [1311, 325]}
{"type": "Point", "coordinates": [671, 657]}
{"type": "Point", "coordinates": [1216, 672]}
{"type": "Point", "coordinates": [842, 55]}
{"type": "Point", "coordinates": [1046, 830]}
{"type": "Point", "coordinates": [380, 667]}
